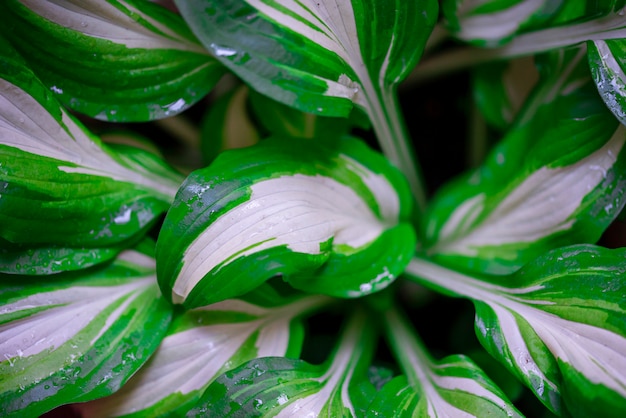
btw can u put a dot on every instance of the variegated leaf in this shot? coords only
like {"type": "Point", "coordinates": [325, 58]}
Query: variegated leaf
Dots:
{"type": "Point", "coordinates": [555, 179]}
{"type": "Point", "coordinates": [323, 56]}
{"type": "Point", "coordinates": [68, 200]}
{"type": "Point", "coordinates": [330, 220]}
{"type": "Point", "coordinates": [452, 387]}
{"type": "Point", "coordinates": [530, 26]}
{"type": "Point", "coordinates": [281, 120]}
{"type": "Point", "coordinates": [607, 60]}
{"type": "Point", "coordinates": [559, 324]}
{"type": "Point", "coordinates": [501, 101]}
{"type": "Point", "coordinates": [492, 23]}
{"type": "Point", "coordinates": [79, 337]}
{"type": "Point", "coordinates": [117, 60]}
{"type": "Point", "coordinates": [283, 387]}
{"type": "Point", "coordinates": [227, 125]}
{"type": "Point", "coordinates": [203, 343]}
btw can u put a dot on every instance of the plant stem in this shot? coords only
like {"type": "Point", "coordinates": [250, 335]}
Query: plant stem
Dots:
{"type": "Point", "coordinates": [353, 354]}
{"type": "Point", "coordinates": [449, 282]}
{"type": "Point", "coordinates": [386, 117]}
{"type": "Point", "coordinates": [408, 349]}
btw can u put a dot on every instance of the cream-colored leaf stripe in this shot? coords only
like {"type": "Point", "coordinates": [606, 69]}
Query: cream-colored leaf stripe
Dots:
{"type": "Point", "coordinates": [335, 380]}
{"type": "Point", "coordinates": [190, 360]}
{"type": "Point", "coordinates": [497, 25]}
{"type": "Point", "coordinates": [332, 25]}
{"type": "Point", "coordinates": [69, 312]}
{"type": "Point", "coordinates": [515, 219]}
{"type": "Point", "coordinates": [595, 352]}
{"type": "Point", "coordinates": [429, 377]}
{"type": "Point", "coordinates": [298, 211]}
{"type": "Point", "coordinates": [26, 125]}
{"type": "Point", "coordinates": [101, 19]}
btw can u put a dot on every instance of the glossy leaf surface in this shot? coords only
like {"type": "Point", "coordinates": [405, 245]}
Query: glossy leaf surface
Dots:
{"type": "Point", "coordinates": [318, 56]}
{"type": "Point", "coordinates": [559, 324]}
{"type": "Point", "coordinates": [323, 57]}
{"type": "Point", "coordinates": [555, 179]}
{"type": "Point", "coordinates": [67, 198]}
{"type": "Point", "coordinates": [527, 26]}
{"type": "Point", "coordinates": [496, 22]}
{"type": "Point", "coordinates": [330, 220]}
{"type": "Point", "coordinates": [283, 387]}
{"type": "Point", "coordinates": [607, 60]}
{"type": "Point", "coordinates": [79, 337]}
{"type": "Point", "coordinates": [116, 60]}
{"type": "Point", "coordinates": [454, 386]}
{"type": "Point", "coordinates": [205, 342]}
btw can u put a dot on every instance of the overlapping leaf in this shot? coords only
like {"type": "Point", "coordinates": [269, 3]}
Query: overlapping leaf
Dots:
{"type": "Point", "coordinates": [319, 56]}
{"type": "Point", "coordinates": [496, 22]}
{"type": "Point", "coordinates": [117, 60]}
{"type": "Point", "coordinates": [203, 343]}
{"type": "Point", "coordinates": [241, 117]}
{"type": "Point", "coordinates": [501, 101]}
{"type": "Point", "coordinates": [454, 386]}
{"type": "Point", "coordinates": [283, 387]}
{"type": "Point", "coordinates": [559, 324]}
{"type": "Point", "coordinates": [281, 120]}
{"type": "Point", "coordinates": [331, 220]}
{"type": "Point", "coordinates": [68, 201]}
{"type": "Point", "coordinates": [227, 125]}
{"type": "Point", "coordinates": [527, 26]}
{"type": "Point", "coordinates": [607, 60]}
{"type": "Point", "coordinates": [79, 337]}
{"type": "Point", "coordinates": [323, 56]}
{"type": "Point", "coordinates": [555, 179]}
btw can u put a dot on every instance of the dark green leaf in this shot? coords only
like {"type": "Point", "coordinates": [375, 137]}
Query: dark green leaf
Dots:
{"type": "Point", "coordinates": [64, 193]}
{"type": "Point", "coordinates": [117, 60]}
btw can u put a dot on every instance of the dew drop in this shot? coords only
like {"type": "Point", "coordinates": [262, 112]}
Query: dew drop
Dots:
{"type": "Point", "coordinates": [222, 51]}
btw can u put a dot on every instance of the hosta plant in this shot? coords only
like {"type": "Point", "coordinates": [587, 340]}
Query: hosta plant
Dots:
{"type": "Point", "coordinates": [216, 208]}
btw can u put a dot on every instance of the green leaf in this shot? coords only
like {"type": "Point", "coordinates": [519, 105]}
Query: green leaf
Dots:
{"type": "Point", "coordinates": [495, 22]}
{"type": "Point", "coordinates": [555, 179]}
{"type": "Point", "coordinates": [51, 259]}
{"type": "Point", "coordinates": [276, 386]}
{"type": "Point", "coordinates": [559, 324]}
{"type": "Point", "coordinates": [79, 337]}
{"type": "Point", "coordinates": [453, 386]}
{"type": "Point", "coordinates": [330, 220]}
{"type": "Point", "coordinates": [203, 343]}
{"type": "Point", "coordinates": [64, 193]}
{"type": "Point", "coordinates": [281, 120]}
{"type": "Point", "coordinates": [520, 23]}
{"type": "Point", "coordinates": [607, 60]}
{"type": "Point", "coordinates": [116, 60]}
{"type": "Point", "coordinates": [320, 58]}
{"type": "Point", "coordinates": [227, 125]}
{"type": "Point", "coordinates": [501, 101]}
{"type": "Point", "coordinates": [323, 57]}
